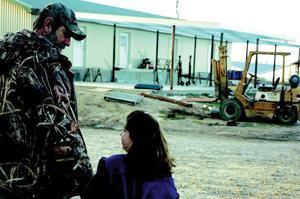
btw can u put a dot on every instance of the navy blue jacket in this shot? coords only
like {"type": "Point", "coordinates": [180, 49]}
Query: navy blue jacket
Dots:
{"type": "Point", "coordinates": [110, 182]}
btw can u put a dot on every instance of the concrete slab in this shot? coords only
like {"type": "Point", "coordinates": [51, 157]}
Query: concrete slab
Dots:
{"type": "Point", "coordinates": [108, 85]}
{"type": "Point", "coordinates": [130, 86]}
{"type": "Point", "coordinates": [122, 97]}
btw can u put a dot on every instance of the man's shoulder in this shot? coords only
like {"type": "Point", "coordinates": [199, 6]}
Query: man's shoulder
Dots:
{"type": "Point", "coordinates": [13, 37]}
{"type": "Point", "coordinates": [27, 39]}
{"type": "Point", "coordinates": [17, 47]}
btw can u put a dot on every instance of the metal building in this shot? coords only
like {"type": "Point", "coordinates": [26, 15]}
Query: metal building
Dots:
{"type": "Point", "coordinates": [119, 40]}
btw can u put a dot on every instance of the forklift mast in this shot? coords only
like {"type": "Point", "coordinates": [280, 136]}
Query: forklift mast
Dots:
{"type": "Point", "coordinates": [220, 74]}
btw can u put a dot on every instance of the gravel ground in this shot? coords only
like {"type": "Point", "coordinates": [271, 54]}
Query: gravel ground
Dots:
{"type": "Point", "coordinates": [250, 160]}
{"type": "Point", "coordinates": [218, 166]}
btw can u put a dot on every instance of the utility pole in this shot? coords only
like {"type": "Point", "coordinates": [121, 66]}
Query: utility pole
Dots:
{"type": "Point", "coordinates": [177, 9]}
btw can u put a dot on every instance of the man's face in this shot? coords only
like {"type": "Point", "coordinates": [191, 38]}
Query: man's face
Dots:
{"type": "Point", "coordinates": [61, 37]}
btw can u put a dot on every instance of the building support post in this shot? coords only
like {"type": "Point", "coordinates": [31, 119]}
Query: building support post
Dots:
{"type": "Point", "coordinates": [274, 65]}
{"type": "Point", "coordinates": [156, 79]}
{"type": "Point", "coordinates": [211, 58]}
{"type": "Point", "coordinates": [256, 62]}
{"type": "Point", "coordinates": [114, 55]}
{"type": "Point", "coordinates": [247, 49]}
{"type": "Point", "coordinates": [194, 61]}
{"type": "Point", "coordinates": [298, 63]}
{"type": "Point", "coordinates": [172, 57]}
{"type": "Point", "coordinates": [221, 40]}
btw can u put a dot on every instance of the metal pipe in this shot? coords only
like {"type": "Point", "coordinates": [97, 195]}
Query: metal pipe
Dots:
{"type": "Point", "coordinates": [114, 55]}
{"type": "Point", "coordinates": [211, 58]}
{"type": "Point", "coordinates": [194, 61]}
{"type": "Point", "coordinates": [172, 58]}
{"type": "Point", "coordinates": [274, 65]}
{"type": "Point", "coordinates": [156, 80]}
{"type": "Point", "coordinates": [256, 60]}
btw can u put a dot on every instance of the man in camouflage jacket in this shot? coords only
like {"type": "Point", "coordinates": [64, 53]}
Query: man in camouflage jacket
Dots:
{"type": "Point", "coordinates": [42, 151]}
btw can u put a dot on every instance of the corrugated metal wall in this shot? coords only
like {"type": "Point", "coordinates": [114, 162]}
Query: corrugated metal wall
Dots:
{"type": "Point", "coordinates": [99, 47]}
{"type": "Point", "coordinates": [13, 17]}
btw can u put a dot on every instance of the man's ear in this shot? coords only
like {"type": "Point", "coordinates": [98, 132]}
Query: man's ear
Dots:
{"type": "Point", "coordinates": [48, 25]}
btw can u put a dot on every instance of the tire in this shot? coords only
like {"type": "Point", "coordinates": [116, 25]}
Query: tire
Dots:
{"type": "Point", "coordinates": [287, 115]}
{"type": "Point", "coordinates": [231, 109]}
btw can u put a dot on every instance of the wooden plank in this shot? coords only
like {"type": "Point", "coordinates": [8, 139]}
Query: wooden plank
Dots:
{"type": "Point", "coordinates": [167, 99]}
{"type": "Point", "coordinates": [199, 99]}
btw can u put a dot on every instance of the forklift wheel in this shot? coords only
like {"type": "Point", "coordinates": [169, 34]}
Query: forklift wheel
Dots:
{"type": "Point", "coordinates": [287, 115]}
{"type": "Point", "coordinates": [231, 109]}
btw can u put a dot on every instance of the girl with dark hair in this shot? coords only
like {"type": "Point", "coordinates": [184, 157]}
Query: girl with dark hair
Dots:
{"type": "Point", "coordinates": [145, 172]}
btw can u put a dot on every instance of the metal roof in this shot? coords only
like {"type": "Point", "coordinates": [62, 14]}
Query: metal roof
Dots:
{"type": "Point", "coordinates": [204, 32]}
{"type": "Point", "coordinates": [89, 7]}
{"type": "Point", "coordinates": [160, 23]}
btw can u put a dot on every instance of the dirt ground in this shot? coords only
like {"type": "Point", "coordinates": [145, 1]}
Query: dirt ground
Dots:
{"type": "Point", "coordinates": [250, 160]}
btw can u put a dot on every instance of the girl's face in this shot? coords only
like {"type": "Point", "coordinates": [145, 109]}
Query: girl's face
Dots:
{"type": "Point", "coordinates": [126, 140]}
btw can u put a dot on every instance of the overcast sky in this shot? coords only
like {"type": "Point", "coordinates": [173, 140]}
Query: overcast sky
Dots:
{"type": "Point", "coordinates": [272, 17]}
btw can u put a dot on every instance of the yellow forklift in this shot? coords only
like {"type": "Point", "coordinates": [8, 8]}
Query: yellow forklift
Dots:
{"type": "Point", "coordinates": [279, 102]}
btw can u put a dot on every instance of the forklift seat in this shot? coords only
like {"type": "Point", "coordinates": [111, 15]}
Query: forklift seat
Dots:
{"type": "Point", "coordinates": [269, 88]}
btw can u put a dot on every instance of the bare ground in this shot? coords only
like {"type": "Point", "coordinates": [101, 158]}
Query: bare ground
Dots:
{"type": "Point", "coordinates": [250, 160]}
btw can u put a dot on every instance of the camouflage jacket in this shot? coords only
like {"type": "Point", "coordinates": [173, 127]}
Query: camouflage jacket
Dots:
{"type": "Point", "coordinates": [41, 147]}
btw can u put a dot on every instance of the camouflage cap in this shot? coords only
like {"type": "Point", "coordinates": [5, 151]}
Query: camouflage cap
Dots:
{"type": "Point", "coordinates": [60, 12]}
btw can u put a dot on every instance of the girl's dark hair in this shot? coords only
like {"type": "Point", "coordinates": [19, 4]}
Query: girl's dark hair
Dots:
{"type": "Point", "coordinates": [148, 157]}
